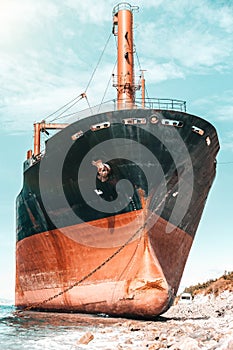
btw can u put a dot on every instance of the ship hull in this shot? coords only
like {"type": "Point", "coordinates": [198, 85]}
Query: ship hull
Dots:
{"type": "Point", "coordinates": [127, 280]}
{"type": "Point", "coordinates": [79, 256]}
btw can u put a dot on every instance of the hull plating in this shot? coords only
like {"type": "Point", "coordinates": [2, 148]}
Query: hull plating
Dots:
{"type": "Point", "coordinates": [74, 253]}
{"type": "Point", "coordinates": [134, 282]}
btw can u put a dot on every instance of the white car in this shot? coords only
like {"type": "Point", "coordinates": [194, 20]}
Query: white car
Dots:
{"type": "Point", "coordinates": [185, 298]}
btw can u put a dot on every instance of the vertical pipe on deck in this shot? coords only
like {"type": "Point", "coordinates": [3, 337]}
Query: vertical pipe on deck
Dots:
{"type": "Point", "coordinates": [143, 88]}
{"type": "Point", "coordinates": [125, 65]}
{"type": "Point", "coordinates": [36, 139]}
{"type": "Point", "coordinates": [29, 154]}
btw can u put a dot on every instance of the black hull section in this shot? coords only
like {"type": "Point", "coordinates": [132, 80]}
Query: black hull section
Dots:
{"type": "Point", "coordinates": [166, 155]}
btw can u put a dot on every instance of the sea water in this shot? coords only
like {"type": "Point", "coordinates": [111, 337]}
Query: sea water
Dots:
{"type": "Point", "coordinates": [40, 330]}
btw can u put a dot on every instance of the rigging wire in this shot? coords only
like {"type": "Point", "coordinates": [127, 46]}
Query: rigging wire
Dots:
{"type": "Point", "coordinates": [76, 99]}
{"type": "Point", "coordinates": [59, 109]}
{"type": "Point", "coordinates": [106, 44]}
{"type": "Point", "coordinates": [89, 105]}
{"type": "Point", "coordinates": [231, 162]}
{"type": "Point", "coordinates": [60, 115]}
{"type": "Point", "coordinates": [140, 68]}
{"type": "Point", "coordinates": [139, 64]}
{"type": "Point", "coordinates": [105, 92]}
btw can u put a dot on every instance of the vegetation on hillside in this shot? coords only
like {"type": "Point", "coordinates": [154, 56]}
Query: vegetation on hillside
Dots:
{"type": "Point", "coordinates": [215, 286]}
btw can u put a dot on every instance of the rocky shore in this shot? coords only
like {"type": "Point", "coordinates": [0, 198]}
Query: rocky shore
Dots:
{"type": "Point", "coordinates": [205, 323]}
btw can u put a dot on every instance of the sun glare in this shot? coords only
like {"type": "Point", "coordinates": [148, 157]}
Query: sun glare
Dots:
{"type": "Point", "coordinates": [13, 18]}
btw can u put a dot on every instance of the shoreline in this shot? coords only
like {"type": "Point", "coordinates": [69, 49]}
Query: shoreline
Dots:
{"type": "Point", "coordinates": [205, 323]}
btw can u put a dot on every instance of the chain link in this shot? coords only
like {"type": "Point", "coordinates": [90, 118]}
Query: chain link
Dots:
{"type": "Point", "coordinates": [89, 274]}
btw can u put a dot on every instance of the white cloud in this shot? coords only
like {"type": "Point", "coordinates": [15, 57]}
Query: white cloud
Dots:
{"type": "Point", "coordinates": [30, 90]}
{"type": "Point", "coordinates": [225, 113]}
{"type": "Point", "coordinates": [226, 20]}
{"type": "Point", "coordinates": [195, 49]}
{"type": "Point", "coordinates": [174, 39]}
{"type": "Point", "coordinates": [227, 139]}
{"type": "Point", "coordinates": [219, 16]}
{"type": "Point", "coordinates": [90, 11]}
{"type": "Point", "coordinates": [195, 35]}
{"type": "Point", "coordinates": [157, 73]}
{"type": "Point", "coordinates": [227, 145]}
{"type": "Point", "coordinates": [220, 107]}
{"type": "Point", "coordinates": [23, 112]}
{"type": "Point", "coordinates": [39, 70]}
{"type": "Point", "coordinates": [17, 17]}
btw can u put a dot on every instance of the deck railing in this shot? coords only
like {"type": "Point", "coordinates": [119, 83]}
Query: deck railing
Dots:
{"type": "Point", "coordinates": [163, 103]}
{"type": "Point", "coordinates": [111, 105]}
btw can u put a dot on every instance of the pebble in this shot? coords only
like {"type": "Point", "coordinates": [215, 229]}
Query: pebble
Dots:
{"type": "Point", "coordinates": [204, 324]}
{"type": "Point", "coordinates": [86, 338]}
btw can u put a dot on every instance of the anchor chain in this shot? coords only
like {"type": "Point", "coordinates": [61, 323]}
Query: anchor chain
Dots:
{"type": "Point", "coordinates": [144, 206]}
{"type": "Point", "coordinates": [89, 274]}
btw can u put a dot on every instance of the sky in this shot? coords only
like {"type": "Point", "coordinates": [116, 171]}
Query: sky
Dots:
{"type": "Point", "coordinates": [48, 52]}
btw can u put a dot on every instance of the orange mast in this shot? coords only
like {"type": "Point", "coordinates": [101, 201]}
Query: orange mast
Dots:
{"type": "Point", "coordinates": [143, 87]}
{"type": "Point", "coordinates": [123, 29]}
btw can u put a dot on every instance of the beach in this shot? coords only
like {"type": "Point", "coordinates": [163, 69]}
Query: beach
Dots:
{"type": "Point", "coordinates": [205, 323]}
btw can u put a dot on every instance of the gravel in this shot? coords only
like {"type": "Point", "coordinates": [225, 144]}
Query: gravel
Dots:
{"type": "Point", "coordinates": [205, 323]}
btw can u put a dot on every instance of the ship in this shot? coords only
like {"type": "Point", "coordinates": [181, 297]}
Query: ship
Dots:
{"type": "Point", "coordinates": [108, 211]}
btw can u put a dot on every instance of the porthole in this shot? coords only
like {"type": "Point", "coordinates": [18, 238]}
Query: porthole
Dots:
{"type": "Point", "coordinates": [154, 119]}
{"type": "Point", "coordinates": [198, 130]}
{"type": "Point", "coordinates": [208, 141]}
{"type": "Point", "coordinates": [169, 122]}
{"type": "Point", "coordinates": [77, 135]}
{"type": "Point", "coordinates": [134, 121]}
{"type": "Point", "coordinates": [100, 126]}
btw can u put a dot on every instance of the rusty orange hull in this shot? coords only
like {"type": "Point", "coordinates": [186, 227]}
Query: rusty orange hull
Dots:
{"type": "Point", "coordinates": [89, 246]}
{"type": "Point", "coordinates": [55, 272]}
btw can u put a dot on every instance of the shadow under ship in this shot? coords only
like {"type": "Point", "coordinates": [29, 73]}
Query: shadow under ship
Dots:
{"type": "Point", "coordinates": [115, 244]}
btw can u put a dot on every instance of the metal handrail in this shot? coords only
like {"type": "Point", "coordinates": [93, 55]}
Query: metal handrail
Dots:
{"type": "Point", "coordinates": [124, 6]}
{"type": "Point", "coordinates": [163, 103]}
{"type": "Point", "coordinates": [111, 105]}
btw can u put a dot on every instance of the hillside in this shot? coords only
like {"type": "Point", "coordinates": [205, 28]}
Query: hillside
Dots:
{"type": "Point", "coordinates": [213, 286]}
